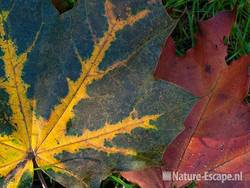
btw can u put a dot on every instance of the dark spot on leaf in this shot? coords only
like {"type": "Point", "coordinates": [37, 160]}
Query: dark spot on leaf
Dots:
{"type": "Point", "coordinates": [221, 147]}
{"type": "Point", "coordinates": [57, 141]}
{"type": "Point", "coordinates": [222, 96]}
{"type": "Point", "coordinates": [208, 68]}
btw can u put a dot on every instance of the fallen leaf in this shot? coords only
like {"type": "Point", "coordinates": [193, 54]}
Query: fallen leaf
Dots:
{"type": "Point", "coordinates": [216, 136]}
{"type": "Point", "coordinates": [78, 99]}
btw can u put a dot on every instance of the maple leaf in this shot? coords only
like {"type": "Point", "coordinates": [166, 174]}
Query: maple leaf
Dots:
{"type": "Point", "coordinates": [78, 100]}
{"type": "Point", "coordinates": [216, 135]}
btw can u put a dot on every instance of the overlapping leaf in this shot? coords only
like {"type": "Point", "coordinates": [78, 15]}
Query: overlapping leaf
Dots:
{"type": "Point", "coordinates": [78, 100]}
{"type": "Point", "coordinates": [216, 135]}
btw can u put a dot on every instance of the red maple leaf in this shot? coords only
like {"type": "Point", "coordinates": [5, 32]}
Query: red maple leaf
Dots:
{"type": "Point", "coordinates": [216, 137]}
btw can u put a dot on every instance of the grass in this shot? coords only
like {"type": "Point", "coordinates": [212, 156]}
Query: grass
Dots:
{"type": "Point", "coordinates": [189, 12]}
{"type": "Point", "coordinates": [116, 181]}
